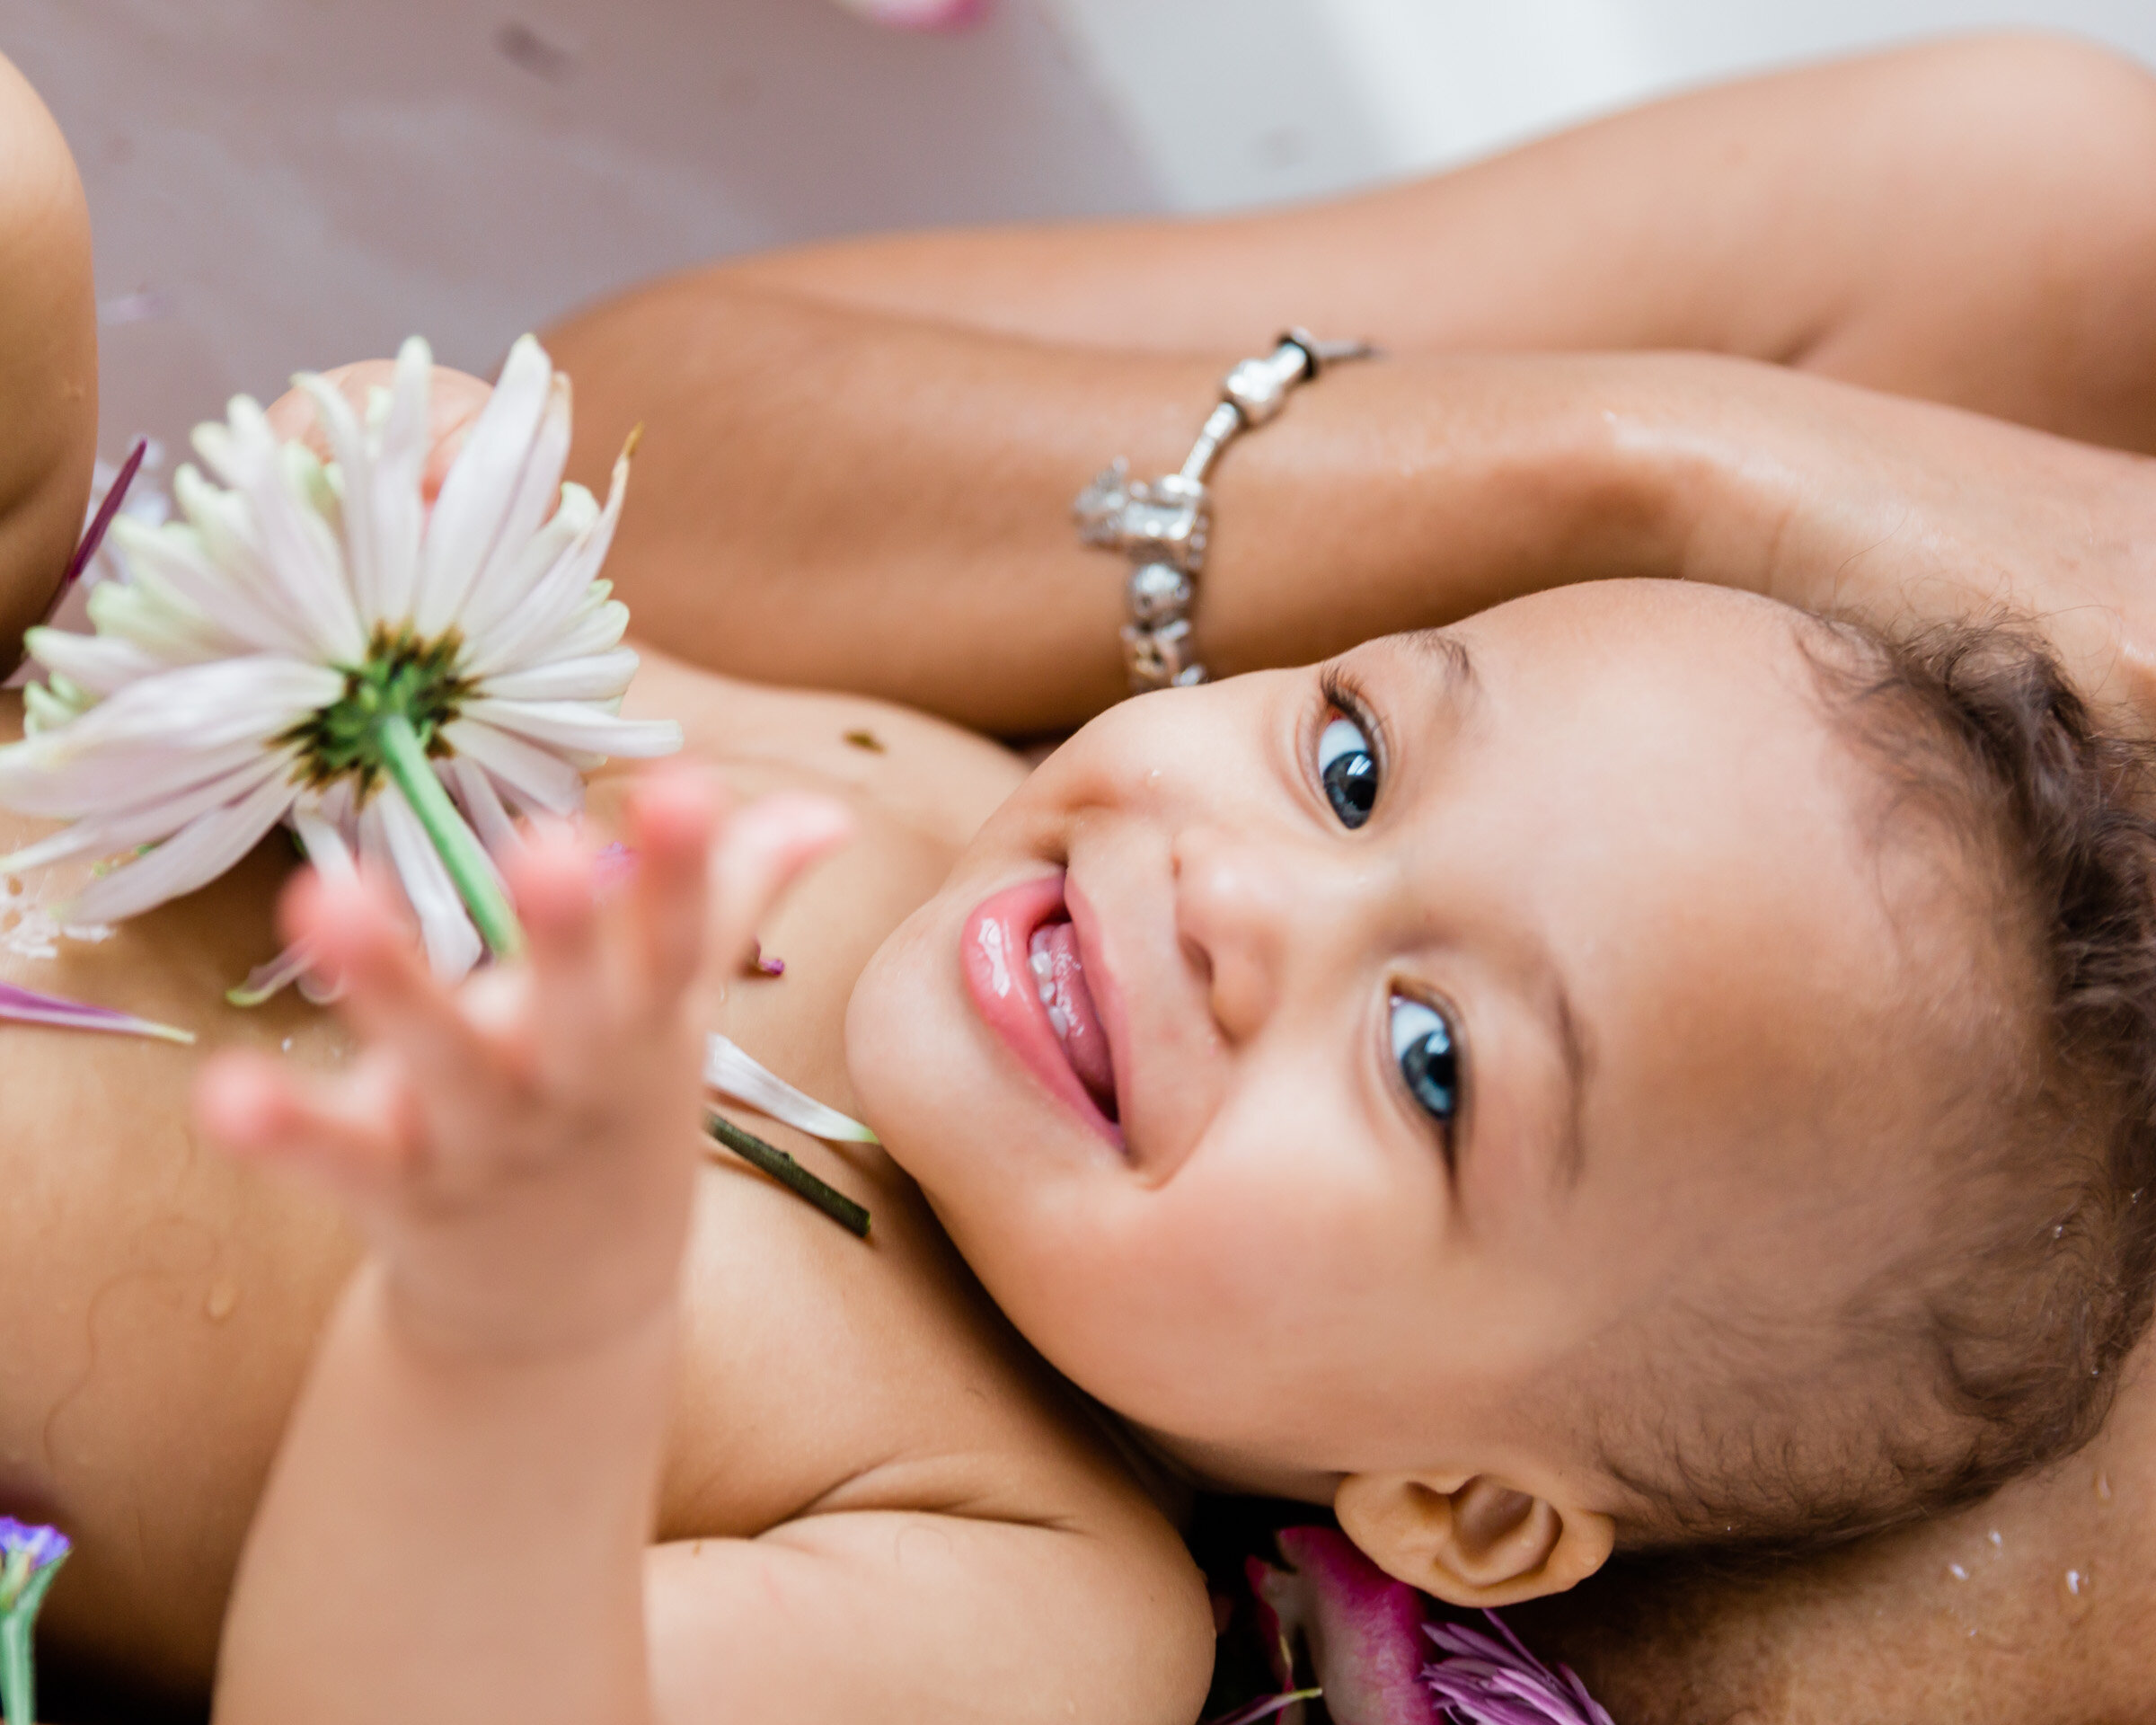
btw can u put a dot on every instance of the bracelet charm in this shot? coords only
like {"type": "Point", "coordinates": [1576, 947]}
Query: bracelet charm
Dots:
{"type": "Point", "coordinates": [1163, 525]}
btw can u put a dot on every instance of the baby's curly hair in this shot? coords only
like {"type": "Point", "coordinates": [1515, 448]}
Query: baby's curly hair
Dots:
{"type": "Point", "coordinates": [2035, 1284]}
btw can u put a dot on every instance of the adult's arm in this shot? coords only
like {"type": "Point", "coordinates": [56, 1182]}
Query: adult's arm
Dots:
{"type": "Point", "coordinates": [838, 498]}
{"type": "Point", "coordinates": [1968, 221]}
{"type": "Point", "coordinates": [48, 357]}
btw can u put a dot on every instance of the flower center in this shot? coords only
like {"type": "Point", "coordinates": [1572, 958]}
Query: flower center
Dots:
{"type": "Point", "coordinates": [401, 674]}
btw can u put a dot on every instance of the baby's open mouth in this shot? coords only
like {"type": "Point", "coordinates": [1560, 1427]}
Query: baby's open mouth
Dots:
{"type": "Point", "coordinates": [1059, 975]}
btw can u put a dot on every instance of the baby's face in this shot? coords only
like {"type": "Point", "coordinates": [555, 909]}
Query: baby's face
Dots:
{"type": "Point", "coordinates": [1431, 1049]}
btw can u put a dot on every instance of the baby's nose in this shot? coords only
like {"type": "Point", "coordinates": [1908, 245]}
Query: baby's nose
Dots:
{"type": "Point", "coordinates": [1244, 904]}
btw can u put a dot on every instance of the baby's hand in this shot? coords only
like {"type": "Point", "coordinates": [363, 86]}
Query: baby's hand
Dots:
{"type": "Point", "coordinates": [453, 401]}
{"type": "Point", "coordinates": [520, 1151]}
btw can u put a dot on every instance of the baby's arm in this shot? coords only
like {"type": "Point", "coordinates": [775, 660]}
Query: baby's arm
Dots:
{"type": "Point", "coordinates": [455, 1525]}
{"type": "Point", "coordinates": [48, 359]}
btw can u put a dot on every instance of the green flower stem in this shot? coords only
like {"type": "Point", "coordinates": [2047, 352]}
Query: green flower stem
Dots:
{"type": "Point", "coordinates": [404, 758]}
{"type": "Point", "coordinates": [789, 1174]}
{"type": "Point", "coordinates": [17, 1667]}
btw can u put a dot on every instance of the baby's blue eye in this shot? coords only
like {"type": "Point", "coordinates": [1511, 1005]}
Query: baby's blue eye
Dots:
{"type": "Point", "coordinates": [1422, 1042]}
{"type": "Point", "coordinates": [1347, 768]}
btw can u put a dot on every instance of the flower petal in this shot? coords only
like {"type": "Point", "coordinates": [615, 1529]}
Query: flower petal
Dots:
{"type": "Point", "coordinates": [474, 788]}
{"type": "Point", "coordinates": [733, 1073]}
{"type": "Point", "coordinates": [175, 556]}
{"type": "Point", "coordinates": [356, 468]}
{"type": "Point", "coordinates": [400, 462]}
{"type": "Point", "coordinates": [575, 725]}
{"type": "Point", "coordinates": [509, 573]}
{"type": "Point", "coordinates": [27, 1006]}
{"type": "Point", "coordinates": [113, 829]}
{"type": "Point", "coordinates": [477, 497]}
{"type": "Point", "coordinates": [537, 778]}
{"type": "Point", "coordinates": [192, 857]}
{"type": "Point", "coordinates": [496, 612]}
{"type": "Point", "coordinates": [602, 676]}
{"type": "Point", "coordinates": [99, 664]}
{"type": "Point", "coordinates": [453, 944]}
{"type": "Point", "coordinates": [297, 550]}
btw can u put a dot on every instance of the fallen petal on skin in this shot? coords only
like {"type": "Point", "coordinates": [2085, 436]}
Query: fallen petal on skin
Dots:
{"type": "Point", "coordinates": [27, 1006]}
{"type": "Point", "coordinates": [738, 1076]}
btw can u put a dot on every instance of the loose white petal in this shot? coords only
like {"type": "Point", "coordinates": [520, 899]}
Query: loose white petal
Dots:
{"type": "Point", "coordinates": [603, 677]}
{"type": "Point", "coordinates": [192, 857]}
{"type": "Point", "coordinates": [734, 1073]}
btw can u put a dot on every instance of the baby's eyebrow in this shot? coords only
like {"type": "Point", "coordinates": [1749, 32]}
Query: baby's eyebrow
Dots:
{"type": "Point", "coordinates": [1454, 661]}
{"type": "Point", "coordinates": [1572, 1046]}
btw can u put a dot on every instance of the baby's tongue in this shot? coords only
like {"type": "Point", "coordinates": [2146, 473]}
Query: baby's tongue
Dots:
{"type": "Point", "coordinates": [1060, 975]}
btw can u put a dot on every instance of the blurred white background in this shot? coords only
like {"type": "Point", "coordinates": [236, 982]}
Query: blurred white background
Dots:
{"type": "Point", "coordinates": [279, 183]}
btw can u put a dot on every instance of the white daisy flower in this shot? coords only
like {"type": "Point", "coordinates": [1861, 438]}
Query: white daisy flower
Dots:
{"type": "Point", "coordinates": [311, 644]}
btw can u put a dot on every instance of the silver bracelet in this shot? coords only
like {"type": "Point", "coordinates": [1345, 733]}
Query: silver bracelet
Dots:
{"type": "Point", "coordinates": [1162, 524]}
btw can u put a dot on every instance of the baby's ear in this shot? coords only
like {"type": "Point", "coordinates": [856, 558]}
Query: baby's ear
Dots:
{"type": "Point", "coordinates": [1470, 1539]}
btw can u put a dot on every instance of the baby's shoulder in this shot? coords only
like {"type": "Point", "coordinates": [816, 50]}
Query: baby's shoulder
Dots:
{"type": "Point", "coordinates": [858, 1425]}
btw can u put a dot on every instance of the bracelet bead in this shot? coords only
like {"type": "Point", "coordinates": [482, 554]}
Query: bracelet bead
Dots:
{"type": "Point", "coordinates": [1163, 525]}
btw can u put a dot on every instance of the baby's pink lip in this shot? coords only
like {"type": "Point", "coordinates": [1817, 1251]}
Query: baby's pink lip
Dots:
{"type": "Point", "coordinates": [994, 949]}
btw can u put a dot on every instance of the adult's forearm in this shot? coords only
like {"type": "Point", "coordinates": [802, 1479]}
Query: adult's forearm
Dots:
{"type": "Point", "coordinates": [836, 498]}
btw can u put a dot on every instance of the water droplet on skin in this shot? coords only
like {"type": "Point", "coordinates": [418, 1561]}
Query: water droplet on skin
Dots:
{"type": "Point", "coordinates": [217, 1305]}
{"type": "Point", "coordinates": [2103, 1486]}
{"type": "Point", "coordinates": [2073, 1581]}
{"type": "Point", "coordinates": [1998, 1545]}
{"type": "Point", "coordinates": [1957, 1573]}
{"type": "Point", "coordinates": [285, 1045]}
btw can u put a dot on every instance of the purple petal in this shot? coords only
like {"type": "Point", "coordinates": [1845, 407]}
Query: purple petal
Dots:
{"type": "Point", "coordinates": [43, 1546]}
{"type": "Point", "coordinates": [1362, 1628]}
{"type": "Point", "coordinates": [94, 534]}
{"type": "Point", "coordinates": [1496, 1681]}
{"type": "Point", "coordinates": [26, 1006]}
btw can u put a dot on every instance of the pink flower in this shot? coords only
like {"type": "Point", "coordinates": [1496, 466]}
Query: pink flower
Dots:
{"type": "Point", "coordinates": [1365, 1636]}
{"type": "Point", "coordinates": [1361, 1629]}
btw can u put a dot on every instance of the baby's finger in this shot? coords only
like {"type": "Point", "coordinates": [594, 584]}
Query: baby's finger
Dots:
{"type": "Point", "coordinates": [343, 1137]}
{"type": "Point", "coordinates": [673, 811]}
{"type": "Point", "coordinates": [571, 999]}
{"type": "Point", "coordinates": [761, 850]}
{"type": "Point", "coordinates": [391, 997]}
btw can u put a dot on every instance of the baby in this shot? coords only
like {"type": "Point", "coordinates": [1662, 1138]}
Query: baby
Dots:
{"type": "Point", "coordinates": [1640, 1067]}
